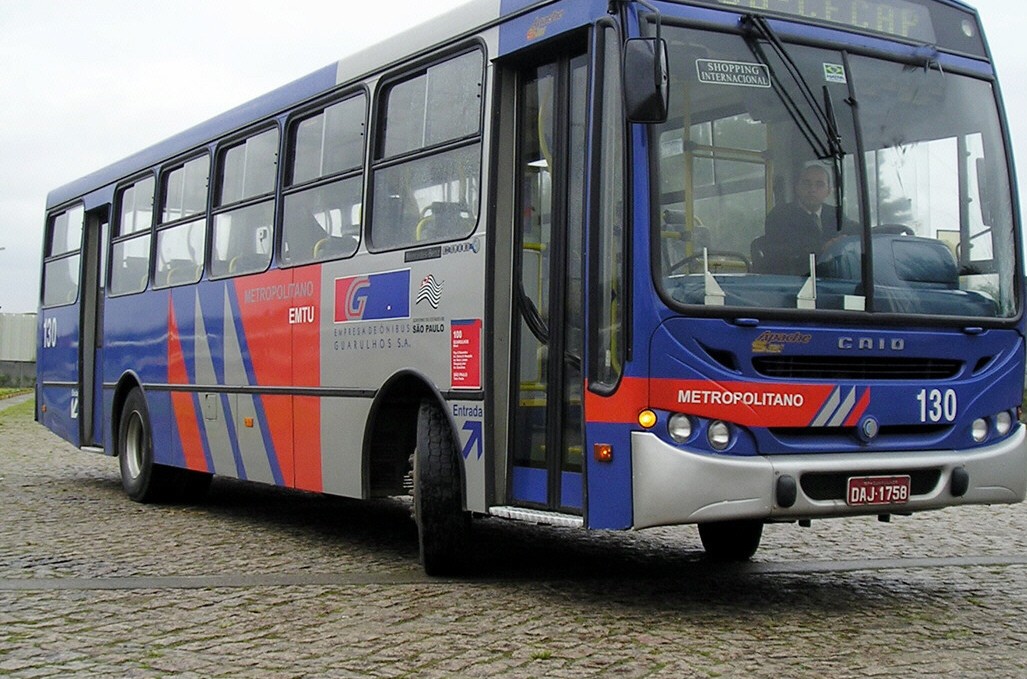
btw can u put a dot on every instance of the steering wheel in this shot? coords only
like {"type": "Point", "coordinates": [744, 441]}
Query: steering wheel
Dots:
{"type": "Point", "coordinates": [681, 264]}
{"type": "Point", "coordinates": [894, 229]}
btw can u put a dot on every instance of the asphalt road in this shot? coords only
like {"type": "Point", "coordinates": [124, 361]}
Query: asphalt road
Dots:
{"type": "Point", "coordinates": [258, 582]}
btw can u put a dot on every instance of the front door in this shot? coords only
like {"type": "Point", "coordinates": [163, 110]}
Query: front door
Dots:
{"type": "Point", "coordinates": [91, 359]}
{"type": "Point", "coordinates": [549, 302]}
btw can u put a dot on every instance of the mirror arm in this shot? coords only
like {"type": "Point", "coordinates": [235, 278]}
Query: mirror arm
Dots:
{"type": "Point", "coordinates": [646, 4]}
{"type": "Point", "coordinates": [648, 103]}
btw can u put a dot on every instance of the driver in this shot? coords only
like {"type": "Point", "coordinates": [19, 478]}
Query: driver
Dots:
{"type": "Point", "coordinates": [794, 230]}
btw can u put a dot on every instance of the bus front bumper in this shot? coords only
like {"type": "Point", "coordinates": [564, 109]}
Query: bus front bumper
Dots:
{"type": "Point", "coordinates": [672, 485]}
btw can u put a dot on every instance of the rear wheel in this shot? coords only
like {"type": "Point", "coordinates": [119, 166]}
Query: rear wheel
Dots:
{"type": "Point", "coordinates": [731, 540]}
{"type": "Point", "coordinates": [143, 479]}
{"type": "Point", "coordinates": [443, 527]}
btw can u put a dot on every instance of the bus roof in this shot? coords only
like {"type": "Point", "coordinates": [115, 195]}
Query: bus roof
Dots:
{"type": "Point", "coordinates": [461, 21]}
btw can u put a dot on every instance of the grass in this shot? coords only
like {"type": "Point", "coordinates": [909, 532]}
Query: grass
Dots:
{"type": "Point", "coordinates": [26, 409]}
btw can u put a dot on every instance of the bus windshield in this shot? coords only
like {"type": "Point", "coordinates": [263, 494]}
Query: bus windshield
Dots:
{"type": "Point", "coordinates": [768, 198]}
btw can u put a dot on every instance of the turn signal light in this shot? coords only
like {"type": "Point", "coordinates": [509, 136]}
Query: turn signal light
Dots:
{"type": "Point", "coordinates": [647, 419]}
{"type": "Point", "coordinates": [603, 452]}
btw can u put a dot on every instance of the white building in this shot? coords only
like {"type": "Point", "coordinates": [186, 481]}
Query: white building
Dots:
{"type": "Point", "coordinates": [17, 350]}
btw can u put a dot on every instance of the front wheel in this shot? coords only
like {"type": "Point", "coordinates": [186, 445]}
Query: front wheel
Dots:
{"type": "Point", "coordinates": [731, 540]}
{"type": "Point", "coordinates": [443, 527]}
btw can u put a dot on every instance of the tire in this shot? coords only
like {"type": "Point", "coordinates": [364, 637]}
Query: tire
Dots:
{"type": "Point", "coordinates": [443, 527]}
{"type": "Point", "coordinates": [142, 479]}
{"type": "Point", "coordinates": [731, 540]}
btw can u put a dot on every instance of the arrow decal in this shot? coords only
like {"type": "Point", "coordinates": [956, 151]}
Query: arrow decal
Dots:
{"type": "Point", "coordinates": [475, 441]}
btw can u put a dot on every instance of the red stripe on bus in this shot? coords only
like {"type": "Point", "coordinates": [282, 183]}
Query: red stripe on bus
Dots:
{"type": "Point", "coordinates": [284, 340]}
{"type": "Point", "coordinates": [750, 404]}
{"type": "Point", "coordinates": [861, 407]}
{"type": "Point", "coordinates": [306, 372]}
{"type": "Point", "coordinates": [264, 306]}
{"type": "Point", "coordinates": [621, 407]}
{"type": "Point", "coordinates": [186, 417]}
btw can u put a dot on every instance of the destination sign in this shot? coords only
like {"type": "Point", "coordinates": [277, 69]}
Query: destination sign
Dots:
{"type": "Point", "coordinates": [896, 18]}
{"type": "Point", "coordinates": [740, 73]}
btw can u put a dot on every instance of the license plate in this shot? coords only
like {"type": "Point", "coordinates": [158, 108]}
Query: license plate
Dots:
{"type": "Point", "coordinates": [878, 490]}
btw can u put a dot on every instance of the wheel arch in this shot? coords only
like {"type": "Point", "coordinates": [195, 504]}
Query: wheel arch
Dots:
{"type": "Point", "coordinates": [125, 385]}
{"type": "Point", "coordinates": [390, 434]}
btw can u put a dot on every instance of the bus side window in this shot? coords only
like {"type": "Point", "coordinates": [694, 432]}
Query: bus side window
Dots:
{"type": "Point", "coordinates": [324, 178]}
{"type": "Point", "coordinates": [130, 262]}
{"type": "Point", "coordinates": [182, 230]}
{"type": "Point", "coordinates": [61, 267]}
{"type": "Point", "coordinates": [245, 206]}
{"type": "Point", "coordinates": [427, 166]}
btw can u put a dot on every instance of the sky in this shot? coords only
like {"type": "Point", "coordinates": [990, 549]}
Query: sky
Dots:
{"type": "Point", "coordinates": [84, 84]}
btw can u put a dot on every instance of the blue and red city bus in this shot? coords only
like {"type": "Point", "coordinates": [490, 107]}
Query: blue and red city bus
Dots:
{"type": "Point", "coordinates": [608, 265]}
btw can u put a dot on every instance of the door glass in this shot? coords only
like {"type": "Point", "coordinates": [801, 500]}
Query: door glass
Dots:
{"type": "Point", "coordinates": [574, 289]}
{"type": "Point", "coordinates": [608, 336]}
{"type": "Point", "coordinates": [536, 173]}
{"type": "Point", "coordinates": [547, 452]}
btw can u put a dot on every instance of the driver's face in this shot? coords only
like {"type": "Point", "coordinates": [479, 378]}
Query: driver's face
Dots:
{"type": "Point", "coordinates": [813, 188]}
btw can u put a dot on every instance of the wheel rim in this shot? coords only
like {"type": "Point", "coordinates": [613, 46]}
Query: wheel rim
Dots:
{"type": "Point", "coordinates": [134, 443]}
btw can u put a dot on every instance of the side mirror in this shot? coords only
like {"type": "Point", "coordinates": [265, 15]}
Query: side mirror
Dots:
{"type": "Point", "coordinates": [646, 80]}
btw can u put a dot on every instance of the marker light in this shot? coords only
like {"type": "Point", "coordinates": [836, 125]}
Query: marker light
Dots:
{"type": "Point", "coordinates": [719, 435]}
{"type": "Point", "coordinates": [680, 428]}
{"type": "Point", "coordinates": [647, 419]}
{"type": "Point", "coordinates": [1003, 423]}
{"type": "Point", "coordinates": [979, 429]}
{"type": "Point", "coordinates": [603, 452]}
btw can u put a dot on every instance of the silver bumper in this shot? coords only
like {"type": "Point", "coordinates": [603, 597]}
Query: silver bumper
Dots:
{"type": "Point", "coordinates": [673, 485]}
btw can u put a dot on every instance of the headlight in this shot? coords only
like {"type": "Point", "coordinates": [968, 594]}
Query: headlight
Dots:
{"type": "Point", "coordinates": [680, 428]}
{"type": "Point", "coordinates": [979, 429]}
{"type": "Point", "coordinates": [1003, 423]}
{"type": "Point", "coordinates": [719, 435]}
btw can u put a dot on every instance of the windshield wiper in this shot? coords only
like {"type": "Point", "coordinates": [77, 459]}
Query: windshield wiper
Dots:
{"type": "Point", "coordinates": [822, 132]}
{"type": "Point", "coordinates": [833, 134]}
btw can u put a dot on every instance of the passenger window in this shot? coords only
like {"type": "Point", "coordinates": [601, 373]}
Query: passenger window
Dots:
{"type": "Point", "coordinates": [180, 253]}
{"type": "Point", "coordinates": [441, 104]}
{"type": "Point", "coordinates": [182, 231]}
{"type": "Point", "coordinates": [329, 142]}
{"type": "Point", "coordinates": [322, 211]}
{"type": "Point", "coordinates": [130, 261]}
{"type": "Point", "coordinates": [66, 232]}
{"type": "Point", "coordinates": [248, 169]}
{"type": "Point", "coordinates": [61, 268]}
{"type": "Point", "coordinates": [243, 232]}
{"type": "Point", "coordinates": [185, 190]}
{"type": "Point", "coordinates": [428, 162]}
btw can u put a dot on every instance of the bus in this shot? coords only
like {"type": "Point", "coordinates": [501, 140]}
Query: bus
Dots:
{"type": "Point", "coordinates": [587, 263]}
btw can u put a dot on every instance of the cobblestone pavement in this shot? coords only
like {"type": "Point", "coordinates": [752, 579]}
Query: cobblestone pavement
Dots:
{"type": "Point", "coordinates": [258, 581]}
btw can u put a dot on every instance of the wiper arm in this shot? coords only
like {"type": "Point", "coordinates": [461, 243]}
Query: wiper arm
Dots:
{"type": "Point", "coordinates": [822, 132]}
{"type": "Point", "coordinates": [835, 139]}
